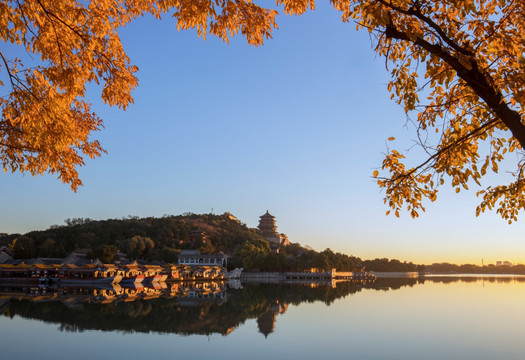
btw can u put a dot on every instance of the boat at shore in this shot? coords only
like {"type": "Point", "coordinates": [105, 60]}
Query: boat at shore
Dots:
{"type": "Point", "coordinates": [131, 274]}
{"type": "Point", "coordinates": [135, 279]}
{"type": "Point", "coordinates": [98, 273]}
{"type": "Point", "coordinates": [88, 274]}
{"type": "Point", "coordinates": [154, 273]}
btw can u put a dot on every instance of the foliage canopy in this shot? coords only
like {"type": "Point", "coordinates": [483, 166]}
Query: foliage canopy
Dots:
{"type": "Point", "coordinates": [46, 123]}
{"type": "Point", "coordinates": [465, 56]}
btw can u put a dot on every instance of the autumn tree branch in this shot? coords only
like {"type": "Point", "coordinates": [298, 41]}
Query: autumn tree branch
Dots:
{"type": "Point", "coordinates": [488, 125]}
{"type": "Point", "coordinates": [415, 10]}
{"type": "Point", "coordinates": [8, 70]}
{"type": "Point", "coordinates": [479, 81]}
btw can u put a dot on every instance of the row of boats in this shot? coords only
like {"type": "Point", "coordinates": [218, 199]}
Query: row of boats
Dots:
{"type": "Point", "coordinates": [108, 273]}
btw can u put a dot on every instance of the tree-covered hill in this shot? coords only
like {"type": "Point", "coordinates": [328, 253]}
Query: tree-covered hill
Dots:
{"type": "Point", "coordinates": [164, 238]}
{"type": "Point", "coordinates": [148, 238]}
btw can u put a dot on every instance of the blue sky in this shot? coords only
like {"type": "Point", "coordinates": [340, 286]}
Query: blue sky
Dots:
{"type": "Point", "coordinates": [295, 127]}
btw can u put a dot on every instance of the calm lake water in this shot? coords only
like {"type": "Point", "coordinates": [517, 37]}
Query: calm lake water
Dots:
{"type": "Point", "coordinates": [431, 318]}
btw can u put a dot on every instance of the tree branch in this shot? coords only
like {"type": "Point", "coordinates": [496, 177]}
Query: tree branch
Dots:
{"type": "Point", "coordinates": [479, 81]}
{"type": "Point", "coordinates": [416, 11]}
{"type": "Point", "coordinates": [490, 124]}
{"type": "Point", "coordinates": [8, 71]}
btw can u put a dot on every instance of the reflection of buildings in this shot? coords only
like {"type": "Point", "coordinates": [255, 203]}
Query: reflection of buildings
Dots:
{"type": "Point", "coordinates": [268, 230]}
{"type": "Point", "coordinates": [189, 293]}
{"type": "Point", "coordinates": [192, 294]}
{"type": "Point", "coordinates": [266, 321]}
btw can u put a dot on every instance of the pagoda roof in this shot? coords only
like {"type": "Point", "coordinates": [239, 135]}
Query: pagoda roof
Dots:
{"type": "Point", "coordinates": [267, 215]}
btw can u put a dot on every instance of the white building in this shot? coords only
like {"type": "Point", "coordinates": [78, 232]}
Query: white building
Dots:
{"type": "Point", "coordinates": [195, 258]}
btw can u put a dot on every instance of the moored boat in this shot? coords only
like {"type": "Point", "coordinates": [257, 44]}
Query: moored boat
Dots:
{"type": "Point", "coordinates": [135, 279]}
{"type": "Point", "coordinates": [131, 274]}
{"type": "Point", "coordinates": [153, 273]}
{"type": "Point", "coordinates": [89, 274]}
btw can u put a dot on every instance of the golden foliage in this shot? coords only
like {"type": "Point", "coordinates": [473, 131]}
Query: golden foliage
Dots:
{"type": "Point", "coordinates": [470, 54]}
{"type": "Point", "coordinates": [465, 58]}
{"type": "Point", "coordinates": [46, 125]}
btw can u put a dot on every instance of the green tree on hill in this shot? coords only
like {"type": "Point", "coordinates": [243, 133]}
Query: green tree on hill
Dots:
{"type": "Point", "coordinates": [253, 253]}
{"type": "Point", "coordinates": [138, 246]}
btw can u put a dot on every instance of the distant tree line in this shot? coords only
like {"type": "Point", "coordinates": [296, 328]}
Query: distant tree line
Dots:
{"type": "Point", "coordinates": [391, 265]}
{"type": "Point", "coordinates": [446, 268]}
{"type": "Point", "coordinates": [256, 255]}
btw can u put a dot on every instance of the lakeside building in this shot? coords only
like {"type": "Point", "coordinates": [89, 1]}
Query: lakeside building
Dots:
{"type": "Point", "coordinates": [230, 216]}
{"type": "Point", "coordinates": [268, 229]}
{"type": "Point", "coordinates": [77, 268]}
{"type": "Point", "coordinates": [194, 257]}
{"type": "Point", "coordinates": [8, 257]}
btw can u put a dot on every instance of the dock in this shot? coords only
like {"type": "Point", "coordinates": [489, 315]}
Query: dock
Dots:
{"type": "Point", "coordinates": [307, 275]}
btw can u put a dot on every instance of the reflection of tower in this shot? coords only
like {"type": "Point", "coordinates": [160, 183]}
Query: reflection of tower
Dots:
{"type": "Point", "coordinates": [266, 321]}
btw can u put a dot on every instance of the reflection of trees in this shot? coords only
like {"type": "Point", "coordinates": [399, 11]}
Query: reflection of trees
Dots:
{"type": "Point", "coordinates": [474, 279]}
{"type": "Point", "coordinates": [202, 315]}
{"type": "Point", "coordinates": [393, 284]}
{"type": "Point", "coordinates": [166, 314]}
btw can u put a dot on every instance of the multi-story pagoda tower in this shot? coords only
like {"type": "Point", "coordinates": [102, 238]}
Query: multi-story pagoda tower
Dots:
{"type": "Point", "coordinates": [268, 230]}
{"type": "Point", "coordinates": [267, 227]}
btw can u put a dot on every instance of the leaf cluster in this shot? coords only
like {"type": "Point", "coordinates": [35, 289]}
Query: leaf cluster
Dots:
{"type": "Point", "coordinates": [466, 59]}
{"type": "Point", "coordinates": [46, 125]}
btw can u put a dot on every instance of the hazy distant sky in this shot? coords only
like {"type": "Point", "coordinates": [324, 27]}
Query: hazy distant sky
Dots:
{"type": "Point", "coordinates": [295, 127]}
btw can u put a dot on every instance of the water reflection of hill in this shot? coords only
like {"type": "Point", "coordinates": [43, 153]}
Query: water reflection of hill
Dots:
{"type": "Point", "coordinates": [167, 311]}
{"type": "Point", "coordinates": [194, 308]}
